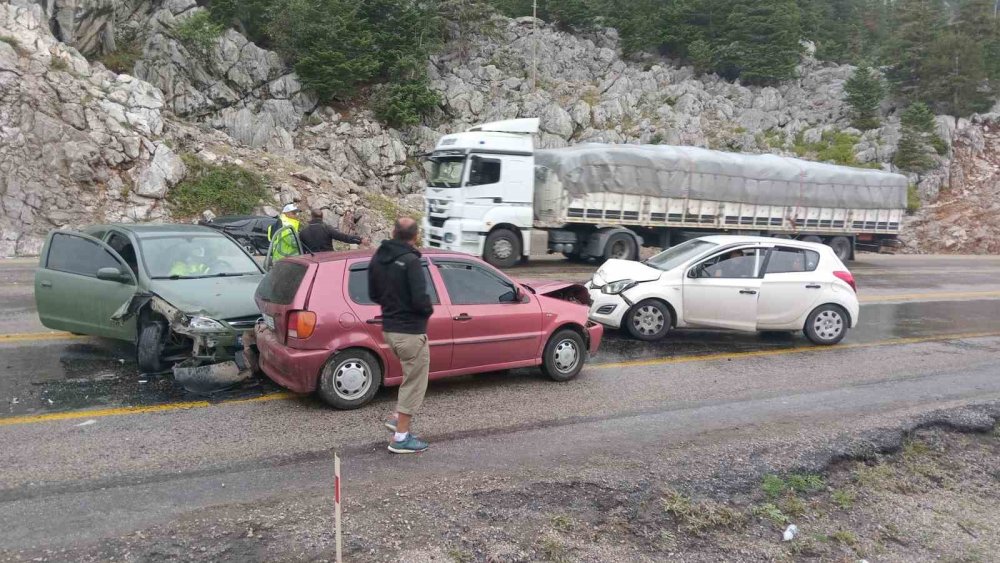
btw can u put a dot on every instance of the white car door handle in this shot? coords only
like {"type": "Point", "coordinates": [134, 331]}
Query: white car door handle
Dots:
{"type": "Point", "coordinates": [814, 286]}
{"type": "Point", "coordinates": [748, 291]}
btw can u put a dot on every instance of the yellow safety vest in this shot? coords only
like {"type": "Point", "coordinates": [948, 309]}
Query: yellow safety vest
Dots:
{"type": "Point", "coordinates": [185, 269]}
{"type": "Point", "coordinates": [286, 245]}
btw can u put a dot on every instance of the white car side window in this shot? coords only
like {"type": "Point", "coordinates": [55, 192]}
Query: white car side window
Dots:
{"type": "Point", "coordinates": [739, 263]}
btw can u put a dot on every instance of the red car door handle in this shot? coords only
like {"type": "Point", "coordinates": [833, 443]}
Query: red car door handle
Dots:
{"type": "Point", "coordinates": [463, 317]}
{"type": "Point", "coordinates": [375, 321]}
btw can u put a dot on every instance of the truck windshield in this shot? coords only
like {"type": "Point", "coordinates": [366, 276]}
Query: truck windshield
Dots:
{"type": "Point", "coordinates": [447, 172]}
{"type": "Point", "coordinates": [677, 255]}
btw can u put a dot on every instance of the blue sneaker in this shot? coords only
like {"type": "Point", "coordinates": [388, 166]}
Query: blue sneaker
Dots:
{"type": "Point", "coordinates": [411, 445]}
{"type": "Point", "coordinates": [390, 423]}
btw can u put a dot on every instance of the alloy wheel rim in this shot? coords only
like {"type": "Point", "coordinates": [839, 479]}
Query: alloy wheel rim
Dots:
{"type": "Point", "coordinates": [648, 320]}
{"type": "Point", "coordinates": [566, 355]}
{"type": "Point", "coordinates": [352, 379]}
{"type": "Point", "coordinates": [828, 325]}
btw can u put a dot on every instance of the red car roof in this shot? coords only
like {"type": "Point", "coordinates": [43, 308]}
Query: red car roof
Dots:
{"type": "Point", "coordinates": [366, 253]}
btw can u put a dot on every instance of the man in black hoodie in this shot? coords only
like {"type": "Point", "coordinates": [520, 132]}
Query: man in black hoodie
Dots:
{"type": "Point", "coordinates": [396, 282]}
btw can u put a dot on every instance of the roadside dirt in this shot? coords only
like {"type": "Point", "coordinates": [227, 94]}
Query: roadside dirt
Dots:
{"type": "Point", "coordinates": [934, 496]}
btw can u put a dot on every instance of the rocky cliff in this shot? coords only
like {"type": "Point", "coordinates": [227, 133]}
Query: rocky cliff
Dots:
{"type": "Point", "coordinates": [83, 144]}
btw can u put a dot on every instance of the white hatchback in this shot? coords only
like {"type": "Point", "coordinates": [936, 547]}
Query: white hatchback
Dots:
{"type": "Point", "coordinates": [729, 282]}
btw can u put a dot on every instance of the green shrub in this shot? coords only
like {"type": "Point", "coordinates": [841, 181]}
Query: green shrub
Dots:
{"type": "Point", "coordinates": [226, 189]}
{"type": "Point", "coordinates": [912, 199]}
{"type": "Point", "coordinates": [59, 64]}
{"type": "Point", "coordinates": [198, 32]}
{"type": "Point", "coordinates": [404, 104]}
{"type": "Point", "coordinates": [122, 60]}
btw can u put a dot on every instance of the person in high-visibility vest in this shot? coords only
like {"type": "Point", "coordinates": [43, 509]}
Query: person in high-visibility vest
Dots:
{"type": "Point", "coordinates": [286, 244]}
{"type": "Point", "coordinates": [192, 264]}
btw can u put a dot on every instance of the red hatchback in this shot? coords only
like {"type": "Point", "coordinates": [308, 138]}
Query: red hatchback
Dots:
{"type": "Point", "coordinates": [321, 331]}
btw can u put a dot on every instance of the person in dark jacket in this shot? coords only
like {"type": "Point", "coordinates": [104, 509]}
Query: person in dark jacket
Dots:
{"type": "Point", "coordinates": [317, 236]}
{"type": "Point", "coordinates": [396, 282]}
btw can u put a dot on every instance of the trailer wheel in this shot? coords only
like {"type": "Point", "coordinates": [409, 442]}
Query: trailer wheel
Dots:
{"type": "Point", "coordinates": [621, 246]}
{"type": "Point", "coordinates": [841, 247]}
{"type": "Point", "coordinates": [812, 238]}
{"type": "Point", "coordinates": [503, 248]}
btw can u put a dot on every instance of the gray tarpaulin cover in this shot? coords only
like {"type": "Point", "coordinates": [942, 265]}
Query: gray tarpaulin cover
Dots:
{"type": "Point", "coordinates": [695, 173]}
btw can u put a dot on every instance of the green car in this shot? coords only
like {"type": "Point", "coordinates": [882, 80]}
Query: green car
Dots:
{"type": "Point", "coordinates": [181, 293]}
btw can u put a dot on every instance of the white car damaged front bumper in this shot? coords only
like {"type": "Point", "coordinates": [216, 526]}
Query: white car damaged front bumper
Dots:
{"type": "Point", "coordinates": [607, 309]}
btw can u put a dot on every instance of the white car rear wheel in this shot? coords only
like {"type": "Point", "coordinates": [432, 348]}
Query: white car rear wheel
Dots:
{"type": "Point", "coordinates": [826, 325]}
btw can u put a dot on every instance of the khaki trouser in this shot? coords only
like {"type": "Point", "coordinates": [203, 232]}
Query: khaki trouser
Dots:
{"type": "Point", "coordinates": [414, 354]}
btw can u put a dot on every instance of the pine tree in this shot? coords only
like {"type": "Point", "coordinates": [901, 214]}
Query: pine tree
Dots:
{"type": "Point", "coordinates": [865, 93]}
{"type": "Point", "coordinates": [954, 76]}
{"type": "Point", "coordinates": [919, 139]}
{"type": "Point", "coordinates": [761, 41]}
{"type": "Point", "coordinates": [980, 21]}
{"type": "Point", "coordinates": [916, 25]}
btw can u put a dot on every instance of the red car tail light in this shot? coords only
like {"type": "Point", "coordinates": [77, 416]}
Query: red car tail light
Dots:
{"type": "Point", "coordinates": [848, 279]}
{"type": "Point", "coordinates": [301, 324]}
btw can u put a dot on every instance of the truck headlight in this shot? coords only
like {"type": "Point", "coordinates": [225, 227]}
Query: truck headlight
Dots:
{"type": "Point", "coordinates": [617, 287]}
{"type": "Point", "coordinates": [449, 238]}
{"type": "Point", "coordinates": [205, 324]}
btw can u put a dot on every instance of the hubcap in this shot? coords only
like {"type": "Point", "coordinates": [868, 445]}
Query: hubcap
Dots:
{"type": "Point", "coordinates": [566, 355]}
{"type": "Point", "coordinates": [619, 250]}
{"type": "Point", "coordinates": [351, 379]}
{"type": "Point", "coordinates": [828, 325]}
{"type": "Point", "coordinates": [648, 320]}
{"type": "Point", "coordinates": [503, 249]}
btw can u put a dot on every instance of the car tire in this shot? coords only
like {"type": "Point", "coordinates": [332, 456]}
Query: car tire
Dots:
{"type": "Point", "coordinates": [564, 355]}
{"type": "Point", "coordinates": [842, 247]}
{"type": "Point", "coordinates": [503, 248]}
{"type": "Point", "coordinates": [350, 379]}
{"type": "Point", "coordinates": [149, 347]}
{"type": "Point", "coordinates": [826, 325]}
{"type": "Point", "coordinates": [648, 320]}
{"type": "Point", "coordinates": [621, 246]}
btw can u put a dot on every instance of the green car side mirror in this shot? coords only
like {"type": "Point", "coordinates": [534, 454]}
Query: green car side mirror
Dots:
{"type": "Point", "coordinates": [112, 274]}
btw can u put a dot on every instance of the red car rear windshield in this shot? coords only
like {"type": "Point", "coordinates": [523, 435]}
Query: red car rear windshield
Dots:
{"type": "Point", "coordinates": [281, 284]}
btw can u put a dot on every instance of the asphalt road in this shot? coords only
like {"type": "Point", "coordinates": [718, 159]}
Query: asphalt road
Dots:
{"type": "Point", "coordinates": [100, 462]}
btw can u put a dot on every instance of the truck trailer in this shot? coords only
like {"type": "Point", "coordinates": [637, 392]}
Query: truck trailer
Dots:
{"type": "Point", "coordinates": [489, 190]}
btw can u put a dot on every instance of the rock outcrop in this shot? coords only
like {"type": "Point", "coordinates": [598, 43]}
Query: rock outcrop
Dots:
{"type": "Point", "coordinates": [78, 143]}
{"type": "Point", "coordinates": [964, 217]}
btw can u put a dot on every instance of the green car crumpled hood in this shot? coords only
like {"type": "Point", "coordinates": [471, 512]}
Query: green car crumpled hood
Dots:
{"type": "Point", "coordinates": [217, 298]}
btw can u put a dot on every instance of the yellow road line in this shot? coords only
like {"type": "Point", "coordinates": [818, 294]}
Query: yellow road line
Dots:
{"type": "Point", "coordinates": [120, 411]}
{"type": "Point", "coordinates": [934, 295]}
{"type": "Point", "coordinates": [30, 336]}
{"type": "Point", "coordinates": [283, 395]}
{"type": "Point", "coordinates": [788, 351]}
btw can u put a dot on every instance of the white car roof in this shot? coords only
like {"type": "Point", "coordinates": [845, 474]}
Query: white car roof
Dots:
{"type": "Point", "coordinates": [726, 240]}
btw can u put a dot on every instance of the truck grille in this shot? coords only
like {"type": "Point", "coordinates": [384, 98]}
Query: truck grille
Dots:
{"type": "Point", "coordinates": [436, 222]}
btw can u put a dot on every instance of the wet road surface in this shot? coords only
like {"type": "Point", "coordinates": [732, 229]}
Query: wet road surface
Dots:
{"type": "Point", "coordinates": [101, 462]}
{"type": "Point", "coordinates": [903, 297]}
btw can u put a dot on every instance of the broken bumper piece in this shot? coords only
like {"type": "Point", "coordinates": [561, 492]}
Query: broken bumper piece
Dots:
{"type": "Point", "coordinates": [210, 378]}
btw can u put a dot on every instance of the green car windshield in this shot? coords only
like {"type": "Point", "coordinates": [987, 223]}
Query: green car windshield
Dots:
{"type": "Point", "coordinates": [195, 256]}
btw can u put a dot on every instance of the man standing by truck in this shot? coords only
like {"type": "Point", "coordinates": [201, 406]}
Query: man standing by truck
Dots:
{"type": "Point", "coordinates": [396, 282]}
{"type": "Point", "coordinates": [317, 236]}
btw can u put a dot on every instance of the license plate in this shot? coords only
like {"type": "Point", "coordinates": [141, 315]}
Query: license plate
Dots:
{"type": "Point", "coordinates": [269, 321]}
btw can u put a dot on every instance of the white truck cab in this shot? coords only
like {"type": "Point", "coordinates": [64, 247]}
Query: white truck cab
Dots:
{"type": "Point", "coordinates": [481, 186]}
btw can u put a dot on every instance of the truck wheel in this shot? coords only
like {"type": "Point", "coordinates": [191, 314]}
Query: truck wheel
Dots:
{"type": "Point", "coordinates": [621, 246]}
{"type": "Point", "coordinates": [812, 238]}
{"type": "Point", "coordinates": [503, 248]}
{"type": "Point", "coordinates": [841, 247]}
{"type": "Point", "coordinates": [149, 348]}
{"type": "Point", "coordinates": [350, 379]}
{"type": "Point", "coordinates": [564, 355]}
{"type": "Point", "coordinates": [648, 320]}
